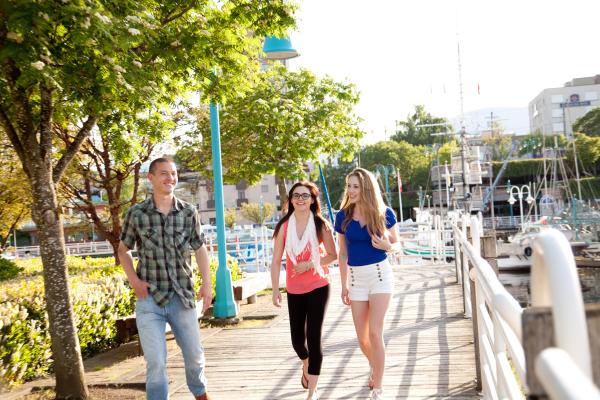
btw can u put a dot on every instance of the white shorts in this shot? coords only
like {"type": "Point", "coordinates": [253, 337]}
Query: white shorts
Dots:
{"type": "Point", "coordinates": [370, 279]}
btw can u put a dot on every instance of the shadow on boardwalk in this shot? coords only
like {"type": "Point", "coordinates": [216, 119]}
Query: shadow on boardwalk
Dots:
{"type": "Point", "coordinates": [429, 349]}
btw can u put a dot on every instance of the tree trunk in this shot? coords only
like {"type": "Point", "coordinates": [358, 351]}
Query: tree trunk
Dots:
{"type": "Point", "coordinates": [5, 242]}
{"type": "Point", "coordinates": [66, 353]}
{"type": "Point", "coordinates": [282, 193]}
{"type": "Point", "coordinates": [115, 246]}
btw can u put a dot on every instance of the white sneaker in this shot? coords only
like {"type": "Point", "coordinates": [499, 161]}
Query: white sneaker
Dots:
{"type": "Point", "coordinates": [315, 396]}
{"type": "Point", "coordinates": [377, 394]}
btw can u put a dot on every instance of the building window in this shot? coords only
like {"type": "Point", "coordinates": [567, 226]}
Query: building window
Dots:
{"type": "Point", "coordinates": [556, 127]}
{"type": "Point", "coordinates": [591, 96]}
{"type": "Point", "coordinates": [264, 188]}
{"type": "Point", "coordinates": [557, 98]}
{"type": "Point", "coordinates": [557, 113]}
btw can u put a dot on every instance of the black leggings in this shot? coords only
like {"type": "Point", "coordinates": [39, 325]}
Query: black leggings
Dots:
{"type": "Point", "coordinates": [307, 311]}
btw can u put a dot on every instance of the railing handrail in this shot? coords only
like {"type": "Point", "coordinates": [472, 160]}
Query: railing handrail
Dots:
{"type": "Point", "coordinates": [562, 378]}
{"type": "Point", "coordinates": [554, 283]}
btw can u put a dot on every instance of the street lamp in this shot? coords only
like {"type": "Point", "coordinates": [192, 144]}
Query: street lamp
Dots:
{"type": "Point", "coordinates": [520, 192]}
{"type": "Point", "coordinates": [225, 306]}
{"type": "Point", "coordinates": [279, 49]}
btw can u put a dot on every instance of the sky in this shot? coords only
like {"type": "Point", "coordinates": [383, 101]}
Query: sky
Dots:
{"type": "Point", "coordinates": [400, 53]}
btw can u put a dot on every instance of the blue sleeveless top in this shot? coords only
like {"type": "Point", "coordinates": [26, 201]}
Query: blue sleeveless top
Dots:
{"type": "Point", "coordinates": [358, 240]}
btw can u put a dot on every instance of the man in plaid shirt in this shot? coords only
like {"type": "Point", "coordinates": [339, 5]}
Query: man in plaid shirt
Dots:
{"type": "Point", "coordinates": [164, 230]}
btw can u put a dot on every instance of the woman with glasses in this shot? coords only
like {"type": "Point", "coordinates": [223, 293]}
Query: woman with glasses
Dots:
{"type": "Point", "coordinates": [303, 233]}
{"type": "Point", "coordinates": [367, 231]}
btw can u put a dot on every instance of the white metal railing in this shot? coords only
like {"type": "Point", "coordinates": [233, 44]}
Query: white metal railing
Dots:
{"type": "Point", "coordinates": [427, 240]}
{"type": "Point", "coordinates": [498, 314]}
{"type": "Point", "coordinates": [253, 252]}
{"type": "Point", "coordinates": [502, 222]}
{"type": "Point", "coordinates": [71, 249]}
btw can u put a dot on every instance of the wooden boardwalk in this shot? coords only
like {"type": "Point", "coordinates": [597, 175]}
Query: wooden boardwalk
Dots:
{"type": "Point", "coordinates": [430, 352]}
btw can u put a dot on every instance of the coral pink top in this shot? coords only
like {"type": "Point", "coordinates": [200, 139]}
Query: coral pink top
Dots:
{"type": "Point", "coordinates": [307, 281]}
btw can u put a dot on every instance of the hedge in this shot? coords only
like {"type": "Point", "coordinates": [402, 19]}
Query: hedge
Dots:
{"type": "Point", "coordinates": [100, 295]}
{"type": "Point", "coordinates": [531, 167]}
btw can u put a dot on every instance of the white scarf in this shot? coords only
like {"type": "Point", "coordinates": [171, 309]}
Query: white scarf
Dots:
{"type": "Point", "coordinates": [305, 248]}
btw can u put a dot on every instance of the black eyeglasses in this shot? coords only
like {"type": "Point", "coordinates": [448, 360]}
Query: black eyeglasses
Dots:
{"type": "Point", "coordinates": [303, 196]}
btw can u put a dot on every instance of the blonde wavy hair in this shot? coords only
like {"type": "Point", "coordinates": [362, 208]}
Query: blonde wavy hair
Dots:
{"type": "Point", "coordinates": [371, 202]}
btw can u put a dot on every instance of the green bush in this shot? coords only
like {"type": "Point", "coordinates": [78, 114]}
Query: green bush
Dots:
{"type": "Point", "coordinates": [99, 298]}
{"type": "Point", "coordinates": [100, 295]}
{"type": "Point", "coordinates": [75, 265]}
{"type": "Point", "coordinates": [531, 167]}
{"type": "Point", "coordinates": [8, 269]}
{"type": "Point", "coordinates": [233, 266]}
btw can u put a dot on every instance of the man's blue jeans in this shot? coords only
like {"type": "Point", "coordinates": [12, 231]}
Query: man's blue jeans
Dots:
{"type": "Point", "coordinates": [151, 323]}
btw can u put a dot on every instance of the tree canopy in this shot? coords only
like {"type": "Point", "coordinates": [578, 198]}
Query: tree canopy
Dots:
{"type": "Point", "coordinates": [258, 213]}
{"type": "Point", "coordinates": [588, 152]}
{"type": "Point", "coordinates": [589, 123]}
{"type": "Point", "coordinates": [71, 63]}
{"type": "Point", "coordinates": [15, 193]}
{"type": "Point", "coordinates": [419, 128]}
{"type": "Point", "coordinates": [284, 121]}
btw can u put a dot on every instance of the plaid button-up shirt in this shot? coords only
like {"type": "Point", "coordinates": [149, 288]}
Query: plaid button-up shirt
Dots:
{"type": "Point", "coordinates": [163, 245]}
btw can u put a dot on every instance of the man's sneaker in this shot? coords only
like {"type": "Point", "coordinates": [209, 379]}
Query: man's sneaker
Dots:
{"type": "Point", "coordinates": [377, 394]}
{"type": "Point", "coordinates": [203, 396]}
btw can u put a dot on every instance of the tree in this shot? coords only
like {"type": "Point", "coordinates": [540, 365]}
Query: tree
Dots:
{"type": "Point", "coordinates": [589, 123]}
{"type": "Point", "coordinates": [447, 150]}
{"type": "Point", "coordinates": [230, 217]}
{"type": "Point", "coordinates": [420, 127]}
{"type": "Point", "coordinates": [499, 145]}
{"type": "Point", "coordinates": [257, 213]}
{"type": "Point", "coordinates": [71, 63]}
{"type": "Point", "coordinates": [112, 165]}
{"type": "Point", "coordinates": [588, 152]}
{"type": "Point", "coordinates": [15, 194]}
{"type": "Point", "coordinates": [286, 120]}
{"type": "Point", "coordinates": [412, 161]}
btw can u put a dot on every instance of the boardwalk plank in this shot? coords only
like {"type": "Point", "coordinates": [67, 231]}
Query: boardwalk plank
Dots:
{"type": "Point", "coordinates": [429, 349]}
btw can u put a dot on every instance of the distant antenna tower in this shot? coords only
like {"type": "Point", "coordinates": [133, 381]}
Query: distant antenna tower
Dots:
{"type": "Point", "coordinates": [460, 87]}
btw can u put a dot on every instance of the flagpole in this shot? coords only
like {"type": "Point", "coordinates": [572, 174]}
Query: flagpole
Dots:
{"type": "Point", "coordinates": [399, 194]}
{"type": "Point", "coordinates": [447, 186]}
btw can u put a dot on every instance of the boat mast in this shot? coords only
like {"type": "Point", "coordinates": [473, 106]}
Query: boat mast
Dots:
{"type": "Point", "coordinates": [463, 141]}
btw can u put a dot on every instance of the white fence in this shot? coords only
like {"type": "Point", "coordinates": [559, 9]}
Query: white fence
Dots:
{"type": "Point", "coordinates": [427, 241]}
{"type": "Point", "coordinates": [71, 249]}
{"type": "Point", "coordinates": [565, 371]}
{"type": "Point", "coordinates": [253, 249]}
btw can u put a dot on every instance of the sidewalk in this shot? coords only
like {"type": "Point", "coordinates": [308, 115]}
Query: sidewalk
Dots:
{"type": "Point", "coordinates": [123, 368]}
{"type": "Point", "coordinates": [429, 354]}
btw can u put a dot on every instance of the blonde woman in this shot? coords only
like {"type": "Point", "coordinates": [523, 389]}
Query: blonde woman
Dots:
{"type": "Point", "coordinates": [300, 233]}
{"type": "Point", "coordinates": [367, 231]}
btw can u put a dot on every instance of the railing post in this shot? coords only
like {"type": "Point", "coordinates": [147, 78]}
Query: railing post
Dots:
{"type": "Point", "coordinates": [475, 307]}
{"type": "Point", "coordinates": [557, 316]}
{"type": "Point", "coordinates": [465, 271]}
{"type": "Point", "coordinates": [457, 256]}
{"type": "Point", "coordinates": [431, 238]}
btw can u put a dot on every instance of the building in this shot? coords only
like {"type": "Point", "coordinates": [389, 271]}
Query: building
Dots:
{"type": "Point", "coordinates": [198, 190]}
{"type": "Point", "coordinates": [555, 110]}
